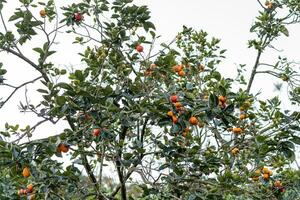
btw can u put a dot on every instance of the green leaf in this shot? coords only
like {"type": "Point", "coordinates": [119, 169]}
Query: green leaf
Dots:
{"type": "Point", "coordinates": [164, 166]}
{"type": "Point", "coordinates": [289, 154]}
{"type": "Point", "coordinates": [65, 86]}
{"type": "Point", "coordinates": [2, 71]}
{"type": "Point", "coordinates": [229, 108]}
{"type": "Point", "coordinates": [285, 31]}
{"type": "Point", "coordinates": [36, 23]}
{"type": "Point", "coordinates": [175, 129]}
{"type": "Point", "coordinates": [45, 46]}
{"type": "Point", "coordinates": [50, 53]}
{"type": "Point", "coordinates": [261, 138]}
{"type": "Point", "coordinates": [148, 26]}
{"type": "Point", "coordinates": [252, 29]}
{"type": "Point", "coordinates": [16, 16]}
{"type": "Point", "coordinates": [222, 90]}
{"type": "Point", "coordinates": [213, 101]}
{"type": "Point", "coordinates": [39, 50]}
{"type": "Point", "coordinates": [216, 75]}
{"type": "Point", "coordinates": [287, 144]}
{"type": "Point", "coordinates": [42, 91]}
{"type": "Point", "coordinates": [296, 139]}
{"type": "Point", "coordinates": [79, 75]}
{"type": "Point", "coordinates": [60, 100]}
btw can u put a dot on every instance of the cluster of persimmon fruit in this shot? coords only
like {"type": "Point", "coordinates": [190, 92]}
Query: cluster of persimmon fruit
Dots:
{"type": "Point", "coordinates": [179, 69]}
{"type": "Point", "coordinates": [180, 108]}
{"type": "Point", "coordinates": [193, 121]}
{"type": "Point", "coordinates": [30, 188]}
{"type": "Point", "coordinates": [266, 174]}
{"type": "Point", "coordinates": [78, 17]}
{"type": "Point", "coordinates": [243, 115]}
{"type": "Point", "coordinates": [26, 191]}
{"type": "Point", "coordinates": [236, 130]}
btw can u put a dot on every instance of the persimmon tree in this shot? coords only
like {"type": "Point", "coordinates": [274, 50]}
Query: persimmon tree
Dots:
{"type": "Point", "coordinates": [167, 122]}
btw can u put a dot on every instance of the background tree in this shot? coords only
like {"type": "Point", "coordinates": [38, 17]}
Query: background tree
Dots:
{"type": "Point", "coordinates": [168, 117]}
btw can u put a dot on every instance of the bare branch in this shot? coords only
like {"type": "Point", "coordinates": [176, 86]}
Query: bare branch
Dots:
{"type": "Point", "coordinates": [17, 88]}
{"type": "Point", "coordinates": [35, 66]}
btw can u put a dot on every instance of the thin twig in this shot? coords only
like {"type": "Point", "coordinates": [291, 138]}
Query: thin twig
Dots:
{"type": "Point", "coordinates": [17, 88]}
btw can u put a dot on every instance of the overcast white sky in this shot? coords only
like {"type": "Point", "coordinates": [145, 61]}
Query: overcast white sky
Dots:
{"type": "Point", "coordinates": [228, 20]}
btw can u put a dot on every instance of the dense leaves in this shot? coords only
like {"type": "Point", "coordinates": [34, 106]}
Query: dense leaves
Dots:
{"type": "Point", "coordinates": [168, 119]}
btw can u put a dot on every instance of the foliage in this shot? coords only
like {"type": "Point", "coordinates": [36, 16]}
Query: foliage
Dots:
{"type": "Point", "coordinates": [169, 117]}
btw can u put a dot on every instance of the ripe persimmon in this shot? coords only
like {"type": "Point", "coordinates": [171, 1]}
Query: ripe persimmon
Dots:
{"type": "Point", "coordinates": [187, 129]}
{"type": "Point", "coordinates": [148, 72]}
{"type": "Point", "coordinates": [265, 170]}
{"type": "Point", "coordinates": [170, 114]}
{"type": "Point", "coordinates": [43, 13]}
{"type": "Point", "coordinates": [185, 132]}
{"type": "Point", "coordinates": [29, 188]}
{"type": "Point", "coordinates": [62, 148]}
{"type": "Point", "coordinates": [222, 99]}
{"type": "Point", "coordinates": [181, 73]}
{"type": "Point", "coordinates": [174, 119]}
{"type": "Point", "coordinates": [243, 116]}
{"type": "Point", "coordinates": [277, 183]}
{"type": "Point", "coordinates": [96, 132]}
{"type": "Point", "coordinates": [26, 172]}
{"type": "Point", "coordinates": [237, 130]}
{"type": "Point", "coordinates": [269, 4]}
{"type": "Point", "coordinates": [193, 121]}
{"type": "Point", "coordinates": [266, 176]}
{"type": "Point", "coordinates": [20, 192]}
{"type": "Point", "coordinates": [174, 98]}
{"type": "Point", "coordinates": [178, 105]}
{"type": "Point", "coordinates": [201, 67]}
{"type": "Point", "coordinates": [235, 151]}
{"type": "Point", "coordinates": [178, 68]}
{"type": "Point", "coordinates": [139, 48]}
{"type": "Point", "coordinates": [78, 17]}
{"type": "Point", "coordinates": [257, 172]}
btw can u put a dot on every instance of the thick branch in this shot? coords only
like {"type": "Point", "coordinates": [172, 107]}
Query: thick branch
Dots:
{"type": "Point", "coordinates": [116, 190]}
{"type": "Point", "coordinates": [87, 167]}
{"type": "Point", "coordinates": [119, 165]}
{"type": "Point", "coordinates": [35, 66]}
{"type": "Point", "coordinates": [92, 177]}
{"type": "Point", "coordinates": [253, 73]}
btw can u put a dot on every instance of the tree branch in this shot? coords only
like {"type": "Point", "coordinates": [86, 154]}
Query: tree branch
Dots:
{"type": "Point", "coordinates": [254, 71]}
{"type": "Point", "coordinates": [119, 165]}
{"type": "Point", "coordinates": [35, 66]}
{"type": "Point", "coordinates": [92, 177]}
{"type": "Point", "coordinates": [17, 88]}
{"type": "Point", "coordinates": [116, 190]}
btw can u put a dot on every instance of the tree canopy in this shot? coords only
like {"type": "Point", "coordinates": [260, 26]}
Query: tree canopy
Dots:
{"type": "Point", "coordinates": [167, 122]}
